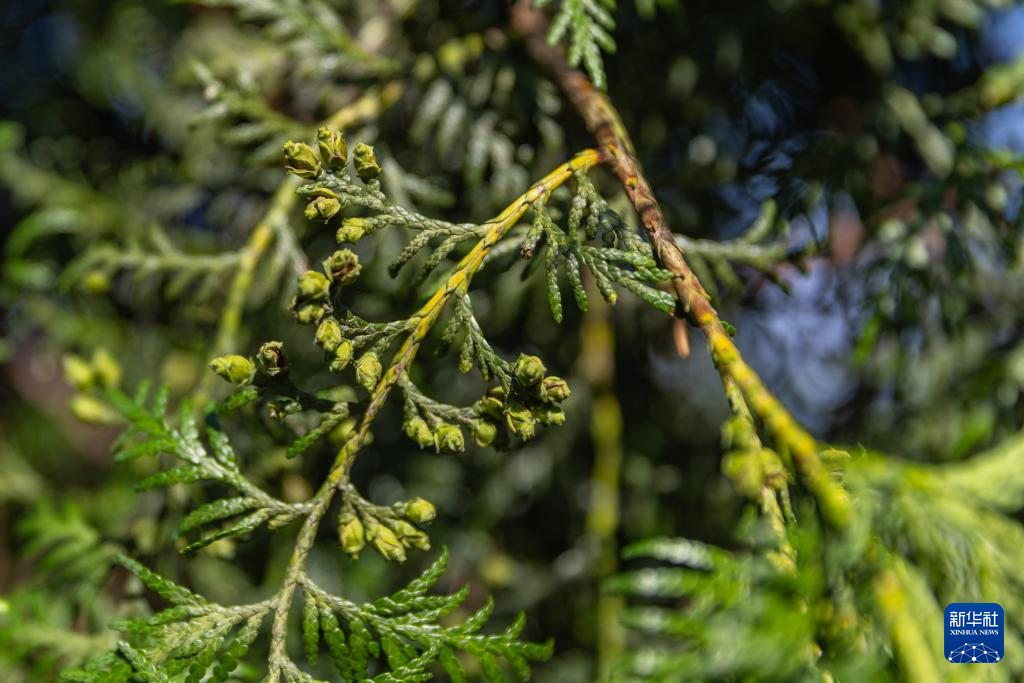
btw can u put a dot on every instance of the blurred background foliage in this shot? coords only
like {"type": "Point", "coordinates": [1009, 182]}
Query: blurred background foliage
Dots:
{"type": "Point", "coordinates": [141, 146]}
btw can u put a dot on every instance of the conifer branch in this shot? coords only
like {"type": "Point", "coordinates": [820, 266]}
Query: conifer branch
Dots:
{"type": "Point", "coordinates": [606, 125]}
{"type": "Point", "coordinates": [172, 638]}
{"type": "Point", "coordinates": [820, 589]}
{"type": "Point", "coordinates": [758, 472]}
{"type": "Point", "coordinates": [423, 320]}
{"type": "Point", "coordinates": [274, 223]}
{"type": "Point", "coordinates": [149, 434]}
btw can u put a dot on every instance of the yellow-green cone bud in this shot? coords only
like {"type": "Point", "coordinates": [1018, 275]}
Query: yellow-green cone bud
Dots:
{"type": "Point", "coordinates": [554, 390]}
{"type": "Point", "coordinates": [419, 510]}
{"type": "Point", "coordinates": [352, 230]}
{"type": "Point", "coordinates": [387, 544]}
{"type": "Point", "coordinates": [549, 415]}
{"type": "Point", "coordinates": [492, 407]}
{"type": "Point", "coordinates": [333, 149]}
{"type": "Point", "coordinates": [235, 369]}
{"type": "Point", "coordinates": [92, 410]}
{"type": "Point", "coordinates": [520, 421]}
{"type": "Point", "coordinates": [78, 372]}
{"type": "Point", "coordinates": [300, 159]}
{"type": "Point", "coordinates": [744, 470]}
{"type": "Point", "coordinates": [368, 370]}
{"type": "Point", "coordinates": [493, 402]}
{"type": "Point", "coordinates": [342, 266]}
{"type": "Point", "coordinates": [410, 536]}
{"type": "Point", "coordinates": [322, 209]}
{"type": "Point", "coordinates": [328, 335]}
{"type": "Point", "coordinates": [308, 313]}
{"type": "Point", "coordinates": [419, 540]}
{"type": "Point", "coordinates": [342, 356]}
{"type": "Point", "coordinates": [484, 432]}
{"type": "Point", "coordinates": [365, 162]}
{"type": "Point", "coordinates": [529, 370]}
{"type": "Point", "coordinates": [96, 281]}
{"type": "Point", "coordinates": [106, 369]}
{"type": "Point", "coordinates": [314, 286]}
{"type": "Point", "coordinates": [448, 439]}
{"type": "Point", "coordinates": [271, 359]}
{"type": "Point", "coordinates": [351, 534]}
{"type": "Point", "coordinates": [418, 430]}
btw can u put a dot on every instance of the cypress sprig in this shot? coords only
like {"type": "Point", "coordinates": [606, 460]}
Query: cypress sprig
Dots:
{"type": "Point", "coordinates": [882, 581]}
{"type": "Point", "coordinates": [404, 628]}
{"type": "Point", "coordinates": [587, 24]}
{"type": "Point", "coordinates": [315, 33]}
{"type": "Point", "coordinates": [195, 638]}
{"type": "Point", "coordinates": [400, 631]}
{"type": "Point", "coordinates": [150, 433]}
{"type": "Point", "coordinates": [338, 186]}
{"type": "Point", "coordinates": [624, 260]}
{"type": "Point", "coordinates": [186, 640]}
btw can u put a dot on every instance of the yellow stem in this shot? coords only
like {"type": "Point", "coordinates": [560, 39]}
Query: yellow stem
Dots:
{"type": "Point", "coordinates": [768, 494]}
{"type": "Point", "coordinates": [912, 649]}
{"type": "Point", "coordinates": [597, 360]}
{"type": "Point", "coordinates": [790, 437]}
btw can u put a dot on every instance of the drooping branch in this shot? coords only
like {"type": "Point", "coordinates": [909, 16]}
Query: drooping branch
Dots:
{"type": "Point", "coordinates": [604, 122]}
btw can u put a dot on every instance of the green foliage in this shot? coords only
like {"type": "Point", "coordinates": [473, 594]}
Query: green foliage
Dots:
{"type": "Point", "coordinates": [150, 433]}
{"type": "Point", "coordinates": [743, 617]}
{"type": "Point", "coordinates": [68, 547]}
{"type": "Point", "coordinates": [849, 598]}
{"type": "Point", "coordinates": [762, 247]}
{"type": "Point", "coordinates": [74, 561]}
{"type": "Point", "coordinates": [309, 27]}
{"type": "Point", "coordinates": [195, 638]}
{"type": "Point", "coordinates": [203, 248]}
{"type": "Point", "coordinates": [587, 24]}
{"type": "Point", "coordinates": [397, 628]}
{"type": "Point", "coordinates": [194, 635]}
{"type": "Point", "coordinates": [883, 35]}
{"type": "Point", "coordinates": [625, 259]}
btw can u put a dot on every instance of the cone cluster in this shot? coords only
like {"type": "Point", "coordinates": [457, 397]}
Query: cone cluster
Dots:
{"type": "Point", "coordinates": [391, 531]}
{"type": "Point", "coordinates": [533, 399]}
